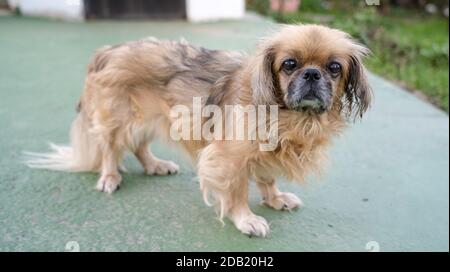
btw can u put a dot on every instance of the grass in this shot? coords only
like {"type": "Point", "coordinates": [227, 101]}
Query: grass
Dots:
{"type": "Point", "coordinates": [415, 53]}
{"type": "Point", "coordinates": [408, 47]}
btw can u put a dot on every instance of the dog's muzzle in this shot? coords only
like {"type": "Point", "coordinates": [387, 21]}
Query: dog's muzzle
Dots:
{"type": "Point", "coordinates": [309, 92]}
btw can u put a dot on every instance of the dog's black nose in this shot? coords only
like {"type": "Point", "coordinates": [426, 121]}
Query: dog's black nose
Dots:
{"type": "Point", "coordinates": [312, 74]}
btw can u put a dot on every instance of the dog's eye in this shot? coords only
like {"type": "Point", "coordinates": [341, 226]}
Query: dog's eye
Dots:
{"type": "Point", "coordinates": [289, 65]}
{"type": "Point", "coordinates": [334, 67]}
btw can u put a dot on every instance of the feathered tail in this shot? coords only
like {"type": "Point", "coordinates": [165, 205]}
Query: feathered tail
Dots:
{"type": "Point", "coordinates": [83, 154]}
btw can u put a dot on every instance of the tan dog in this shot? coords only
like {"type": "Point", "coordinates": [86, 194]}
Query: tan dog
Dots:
{"type": "Point", "coordinates": [314, 75]}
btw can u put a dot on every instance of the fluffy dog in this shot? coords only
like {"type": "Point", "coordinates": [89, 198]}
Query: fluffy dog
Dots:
{"type": "Point", "coordinates": [313, 74]}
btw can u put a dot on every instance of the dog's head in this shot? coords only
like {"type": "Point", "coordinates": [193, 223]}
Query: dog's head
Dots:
{"type": "Point", "coordinates": [312, 68]}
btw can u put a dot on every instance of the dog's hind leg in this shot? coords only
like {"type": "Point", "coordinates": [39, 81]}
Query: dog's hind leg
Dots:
{"type": "Point", "coordinates": [110, 177]}
{"type": "Point", "coordinates": [272, 197]}
{"type": "Point", "coordinates": [153, 165]}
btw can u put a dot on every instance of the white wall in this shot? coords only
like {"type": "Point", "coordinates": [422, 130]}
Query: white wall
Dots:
{"type": "Point", "coordinates": [197, 10]}
{"type": "Point", "coordinates": [212, 10]}
{"type": "Point", "coordinates": [72, 10]}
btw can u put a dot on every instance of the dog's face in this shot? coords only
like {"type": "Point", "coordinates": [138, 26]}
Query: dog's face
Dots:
{"type": "Point", "coordinates": [312, 68]}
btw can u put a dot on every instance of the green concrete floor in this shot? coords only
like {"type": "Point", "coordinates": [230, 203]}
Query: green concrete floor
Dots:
{"type": "Point", "coordinates": [388, 181]}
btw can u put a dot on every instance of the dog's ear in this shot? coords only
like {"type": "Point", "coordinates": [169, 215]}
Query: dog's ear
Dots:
{"type": "Point", "coordinates": [263, 80]}
{"type": "Point", "coordinates": [357, 93]}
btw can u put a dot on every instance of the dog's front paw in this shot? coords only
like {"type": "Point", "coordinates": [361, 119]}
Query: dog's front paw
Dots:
{"type": "Point", "coordinates": [253, 225]}
{"type": "Point", "coordinates": [283, 201]}
{"type": "Point", "coordinates": [162, 168]}
{"type": "Point", "coordinates": [109, 183]}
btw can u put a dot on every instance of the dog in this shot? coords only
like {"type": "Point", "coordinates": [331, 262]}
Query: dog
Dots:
{"type": "Point", "coordinates": [313, 74]}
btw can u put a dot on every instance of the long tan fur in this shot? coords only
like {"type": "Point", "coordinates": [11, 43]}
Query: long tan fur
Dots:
{"type": "Point", "coordinates": [130, 89]}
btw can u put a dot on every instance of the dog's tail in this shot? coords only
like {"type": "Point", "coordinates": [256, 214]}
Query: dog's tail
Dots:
{"type": "Point", "coordinates": [83, 154]}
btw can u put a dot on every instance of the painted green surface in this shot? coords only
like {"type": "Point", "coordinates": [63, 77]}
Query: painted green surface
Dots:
{"type": "Point", "coordinates": [387, 181]}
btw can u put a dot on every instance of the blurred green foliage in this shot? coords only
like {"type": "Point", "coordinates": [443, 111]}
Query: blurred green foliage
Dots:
{"type": "Point", "coordinates": [260, 6]}
{"type": "Point", "coordinates": [409, 46]}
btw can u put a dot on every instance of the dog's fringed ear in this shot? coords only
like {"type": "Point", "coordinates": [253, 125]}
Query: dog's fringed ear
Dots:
{"type": "Point", "coordinates": [357, 93]}
{"type": "Point", "coordinates": [262, 81]}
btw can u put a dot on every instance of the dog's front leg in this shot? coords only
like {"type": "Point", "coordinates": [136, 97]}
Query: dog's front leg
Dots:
{"type": "Point", "coordinates": [273, 198]}
{"type": "Point", "coordinates": [223, 176]}
{"type": "Point", "coordinates": [239, 212]}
